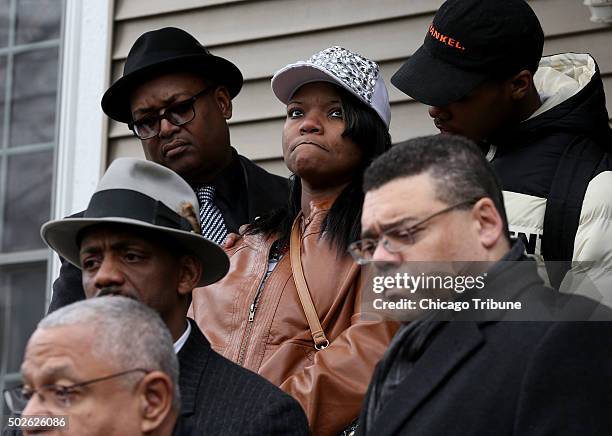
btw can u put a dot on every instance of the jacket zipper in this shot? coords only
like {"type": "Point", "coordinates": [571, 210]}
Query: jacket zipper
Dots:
{"type": "Point", "coordinates": [252, 310]}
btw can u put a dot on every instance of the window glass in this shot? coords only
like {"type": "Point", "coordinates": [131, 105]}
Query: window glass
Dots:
{"type": "Point", "coordinates": [4, 22]}
{"type": "Point", "coordinates": [30, 33]}
{"type": "Point", "coordinates": [38, 20]}
{"type": "Point", "coordinates": [2, 94]}
{"type": "Point", "coordinates": [24, 285]}
{"type": "Point", "coordinates": [33, 104]}
{"type": "Point", "coordinates": [28, 196]}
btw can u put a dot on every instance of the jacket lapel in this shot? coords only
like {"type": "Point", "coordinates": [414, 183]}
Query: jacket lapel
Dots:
{"type": "Point", "coordinates": [253, 194]}
{"type": "Point", "coordinates": [193, 359]}
{"type": "Point", "coordinates": [448, 350]}
{"type": "Point", "coordinates": [265, 192]}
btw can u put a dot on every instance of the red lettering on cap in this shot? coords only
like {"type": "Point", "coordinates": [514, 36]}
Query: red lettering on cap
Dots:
{"type": "Point", "coordinates": [445, 39]}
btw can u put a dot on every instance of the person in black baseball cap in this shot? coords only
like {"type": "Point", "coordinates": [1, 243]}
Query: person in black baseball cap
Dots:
{"type": "Point", "coordinates": [541, 121]}
{"type": "Point", "coordinates": [176, 97]}
{"type": "Point", "coordinates": [468, 42]}
{"type": "Point", "coordinates": [468, 48]}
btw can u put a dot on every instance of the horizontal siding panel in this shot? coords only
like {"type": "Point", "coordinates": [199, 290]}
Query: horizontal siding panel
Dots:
{"type": "Point", "coordinates": [383, 41]}
{"type": "Point", "coordinates": [118, 130]}
{"type": "Point", "coordinates": [131, 9]}
{"type": "Point", "coordinates": [244, 21]}
{"type": "Point", "coordinates": [263, 36]}
{"type": "Point", "coordinates": [598, 44]}
{"type": "Point", "coordinates": [260, 140]}
{"type": "Point", "coordinates": [275, 166]}
{"type": "Point", "coordinates": [222, 22]}
{"type": "Point", "coordinates": [260, 59]}
{"type": "Point", "coordinates": [559, 17]}
{"type": "Point", "coordinates": [124, 147]}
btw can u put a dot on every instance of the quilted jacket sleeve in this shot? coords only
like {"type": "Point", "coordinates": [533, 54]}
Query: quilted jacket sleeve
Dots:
{"type": "Point", "coordinates": [591, 272]}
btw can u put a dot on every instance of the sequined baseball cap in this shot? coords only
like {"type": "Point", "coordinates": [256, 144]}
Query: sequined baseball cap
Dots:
{"type": "Point", "coordinates": [358, 75]}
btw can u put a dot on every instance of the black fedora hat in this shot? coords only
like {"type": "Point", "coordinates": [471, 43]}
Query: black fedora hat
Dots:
{"type": "Point", "coordinates": [166, 50]}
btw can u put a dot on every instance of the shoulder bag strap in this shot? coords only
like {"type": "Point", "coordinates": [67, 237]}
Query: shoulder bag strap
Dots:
{"type": "Point", "coordinates": [295, 248]}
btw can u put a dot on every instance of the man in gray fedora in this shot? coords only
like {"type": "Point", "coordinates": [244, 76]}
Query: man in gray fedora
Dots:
{"type": "Point", "coordinates": [176, 97]}
{"type": "Point", "coordinates": [139, 237]}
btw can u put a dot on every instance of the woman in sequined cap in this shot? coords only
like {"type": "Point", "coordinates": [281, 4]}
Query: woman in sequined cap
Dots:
{"type": "Point", "coordinates": [337, 122]}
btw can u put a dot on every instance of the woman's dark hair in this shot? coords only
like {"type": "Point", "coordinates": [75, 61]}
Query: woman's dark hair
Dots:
{"type": "Point", "coordinates": [343, 222]}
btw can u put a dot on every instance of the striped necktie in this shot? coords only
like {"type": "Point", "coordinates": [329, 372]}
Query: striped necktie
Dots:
{"type": "Point", "coordinates": [211, 219]}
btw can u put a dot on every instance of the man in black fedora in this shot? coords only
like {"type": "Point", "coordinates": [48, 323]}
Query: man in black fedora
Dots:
{"type": "Point", "coordinates": [139, 238]}
{"type": "Point", "coordinates": [177, 97]}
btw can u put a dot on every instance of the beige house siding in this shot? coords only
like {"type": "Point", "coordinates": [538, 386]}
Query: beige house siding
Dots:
{"type": "Point", "coordinates": [262, 36]}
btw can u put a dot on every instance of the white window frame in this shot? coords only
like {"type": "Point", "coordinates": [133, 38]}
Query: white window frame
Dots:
{"type": "Point", "coordinates": [82, 134]}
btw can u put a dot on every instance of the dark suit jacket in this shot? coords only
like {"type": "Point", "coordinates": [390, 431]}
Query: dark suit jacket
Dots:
{"type": "Point", "coordinates": [265, 192]}
{"type": "Point", "coordinates": [222, 398]}
{"type": "Point", "coordinates": [184, 427]}
{"type": "Point", "coordinates": [506, 377]}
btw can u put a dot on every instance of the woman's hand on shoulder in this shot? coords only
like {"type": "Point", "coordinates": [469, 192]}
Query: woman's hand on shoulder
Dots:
{"type": "Point", "coordinates": [232, 238]}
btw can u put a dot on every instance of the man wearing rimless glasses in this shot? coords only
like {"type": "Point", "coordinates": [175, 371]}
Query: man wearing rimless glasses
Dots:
{"type": "Point", "coordinates": [176, 97]}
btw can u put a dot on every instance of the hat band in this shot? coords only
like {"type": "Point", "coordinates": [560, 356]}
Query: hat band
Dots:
{"type": "Point", "coordinates": [126, 203]}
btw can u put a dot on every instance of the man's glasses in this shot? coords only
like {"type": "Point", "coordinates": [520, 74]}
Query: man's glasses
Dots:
{"type": "Point", "coordinates": [60, 396]}
{"type": "Point", "coordinates": [396, 238]}
{"type": "Point", "coordinates": [178, 114]}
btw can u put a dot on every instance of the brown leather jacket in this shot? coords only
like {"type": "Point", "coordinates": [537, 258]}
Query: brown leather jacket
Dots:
{"type": "Point", "coordinates": [267, 331]}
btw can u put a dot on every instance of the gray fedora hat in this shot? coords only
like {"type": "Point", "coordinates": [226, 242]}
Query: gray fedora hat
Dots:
{"type": "Point", "coordinates": [146, 195]}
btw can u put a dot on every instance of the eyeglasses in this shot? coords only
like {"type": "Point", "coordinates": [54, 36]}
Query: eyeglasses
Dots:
{"type": "Point", "coordinates": [178, 114]}
{"type": "Point", "coordinates": [60, 396]}
{"type": "Point", "coordinates": [396, 238]}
